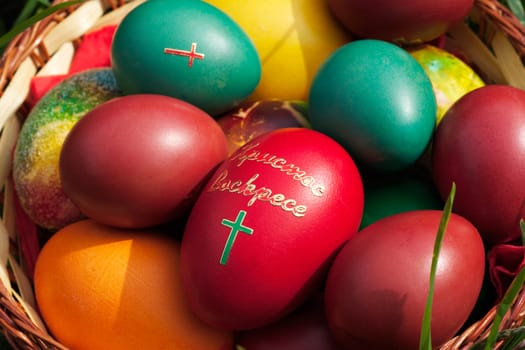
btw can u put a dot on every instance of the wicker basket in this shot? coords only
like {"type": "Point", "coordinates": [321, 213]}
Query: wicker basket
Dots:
{"type": "Point", "coordinates": [496, 49]}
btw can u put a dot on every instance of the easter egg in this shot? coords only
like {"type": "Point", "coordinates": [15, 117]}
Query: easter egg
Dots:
{"type": "Point", "coordinates": [185, 49]}
{"type": "Point", "coordinates": [479, 146]}
{"type": "Point", "coordinates": [36, 156]}
{"type": "Point", "coordinates": [377, 286]}
{"type": "Point", "coordinates": [292, 37]}
{"type": "Point", "coordinates": [99, 287]}
{"type": "Point", "coordinates": [386, 196]}
{"type": "Point", "coordinates": [254, 118]}
{"type": "Point", "coordinates": [304, 329]}
{"type": "Point", "coordinates": [377, 101]}
{"type": "Point", "coordinates": [450, 76]}
{"type": "Point", "coordinates": [400, 21]}
{"type": "Point", "coordinates": [262, 232]}
{"type": "Point", "coordinates": [139, 160]}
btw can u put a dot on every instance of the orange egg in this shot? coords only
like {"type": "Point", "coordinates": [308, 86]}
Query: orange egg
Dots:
{"type": "Point", "coordinates": [99, 287]}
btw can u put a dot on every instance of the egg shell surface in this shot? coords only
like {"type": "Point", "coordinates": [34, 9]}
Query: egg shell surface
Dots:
{"type": "Point", "coordinates": [377, 101]}
{"type": "Point", "coordinates": [479, 146]}
{"type": "Point", "coordinates": [304, 329]}
{"type": "Point", "coordinates": [292, 37]}
{"type": "Point", "coordinates": [377, 287]}
{"type": "Point", "coordinates": [104, 288]}
{"type": "Point", "coordinates": [254, 118]}
{"type": "Point", "coordinates": [451, 77]}
{"type": "Point", "coordinates": [36, 156]}
{"type": "Point", "coordinates": [139, 160]}
{"type": "Point", "coordinates": [400, 21]}
{"type": "Point", "coordinates": [263, 231]}
{"type": "Point", "coordinates": [386, 196]}
{"type": "Point", "coordinates": [186, 49]}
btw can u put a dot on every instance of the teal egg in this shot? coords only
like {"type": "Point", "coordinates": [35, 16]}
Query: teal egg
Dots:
{"type": "Point", "coordinates": [377, 101]}
{"type": "Point", "coordinates": [187, 49]}
{"type": "Point", "coordinates": [397, 194]}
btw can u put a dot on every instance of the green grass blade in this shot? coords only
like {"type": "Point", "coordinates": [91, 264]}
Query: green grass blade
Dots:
{"type": "Point", "coordinates": [522, 227]}
{"type": "Point", "coordinates": [21, 26]}
{"type": "Point", "coordinates": [425, 340]}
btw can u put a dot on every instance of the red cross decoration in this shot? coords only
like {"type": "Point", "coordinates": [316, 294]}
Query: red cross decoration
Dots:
{"type": "Point", "coordinates": [191, 54]}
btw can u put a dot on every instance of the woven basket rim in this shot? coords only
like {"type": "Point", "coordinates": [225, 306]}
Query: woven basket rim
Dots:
{"type": "Point", "coordinates": [23, 330]}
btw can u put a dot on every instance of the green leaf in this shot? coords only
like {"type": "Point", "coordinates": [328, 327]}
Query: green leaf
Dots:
{"type": "Point", "coordinates": [516, 6]}
{"type": "Point", "coordinates": [504, 306]}
{"type": "Point", "coordinates": [425, 340]}
{"type": "Point", "coordinates": [30, 8]}
{"type": "Point", "coordinates": [21, 26]}
{"type": "Point", "coordinates": [514, 338]}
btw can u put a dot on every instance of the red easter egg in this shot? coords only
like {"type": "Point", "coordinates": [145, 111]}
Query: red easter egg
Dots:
{"type": "Point", "coordinates": [377, 287]}
{"type": "Point", "coordinates": [480, 146]}
{"type": "Point", "coordinates": [138, 160]}
{"type": "Point", "coordinates": [304, 329]}
{"type": "Point", "coordinates": [263, 231]}
{"type": "Point", "coordinates": [401, 21]}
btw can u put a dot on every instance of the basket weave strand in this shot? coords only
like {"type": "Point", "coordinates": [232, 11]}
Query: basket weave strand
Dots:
{"type": "Point", "coordinates": [504, 19]}
{"type": "Point", "coordinates": [29, 48]}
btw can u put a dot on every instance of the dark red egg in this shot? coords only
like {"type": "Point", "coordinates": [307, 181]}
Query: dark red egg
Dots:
{"type": "Point", "coordinates": [400, 21]}
{"type": "Point", "coordinates": [138, 160]}
{"type": "Point", "coordinates": [305, 329]}
{"type": "Point", "coordinates": [377, 287]}
{"type": "Point", "coordinates": [253, 118]}
{"type": "Point", "coordinates": [480, 145]}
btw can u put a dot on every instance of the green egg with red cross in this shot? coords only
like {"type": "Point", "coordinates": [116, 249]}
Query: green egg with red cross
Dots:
{"type": "Point", "coordinates": [187, 49]}
{"type": "Point", "coordinates": [266, 226]}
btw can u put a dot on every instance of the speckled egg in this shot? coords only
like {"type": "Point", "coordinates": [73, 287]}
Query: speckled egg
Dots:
{"type": "Point", "coordinates": [185, 49]}
{"type": "Point", "coordinates": [450, 76]}
{"type": "Point", "coordinates": [36, 156]}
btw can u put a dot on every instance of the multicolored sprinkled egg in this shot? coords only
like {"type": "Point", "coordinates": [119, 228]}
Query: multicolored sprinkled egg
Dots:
{"type": "Point", "coordinates": [36, 156]}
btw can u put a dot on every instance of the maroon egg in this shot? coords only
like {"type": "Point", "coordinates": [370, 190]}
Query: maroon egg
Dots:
{"type": "Point", "coordinates": [254, 118]}
{"type": "Point", "coordinates": [263, 231]}
{"type": "Point", "coordinates": [401, 21]}
{"type": "Point", "coordinates": [377, 287]}
{"type": "Point", "coordinates": [480, 145]}
{"type": "Point", "coordinates": [138, 160]}
{"type": "Point", "coordinates": [305, 329]}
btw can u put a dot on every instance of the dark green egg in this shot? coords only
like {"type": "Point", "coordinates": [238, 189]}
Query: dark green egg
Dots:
{"type": "Point", "coordinates": [187, 49]}
{"type": "Point", "coordinates": [377, 101]}
{"type": "Point", "coordinates": [397, 194]}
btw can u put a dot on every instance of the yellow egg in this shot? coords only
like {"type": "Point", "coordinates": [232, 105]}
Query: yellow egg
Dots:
{"type": "Point", "coordinates": [293, 38]}
{"type": "Point", "coordinates": [450, 76]}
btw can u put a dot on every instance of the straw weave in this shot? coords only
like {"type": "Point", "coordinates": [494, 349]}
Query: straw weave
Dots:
{"type": "Point", "coordinates": [496, 49]}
